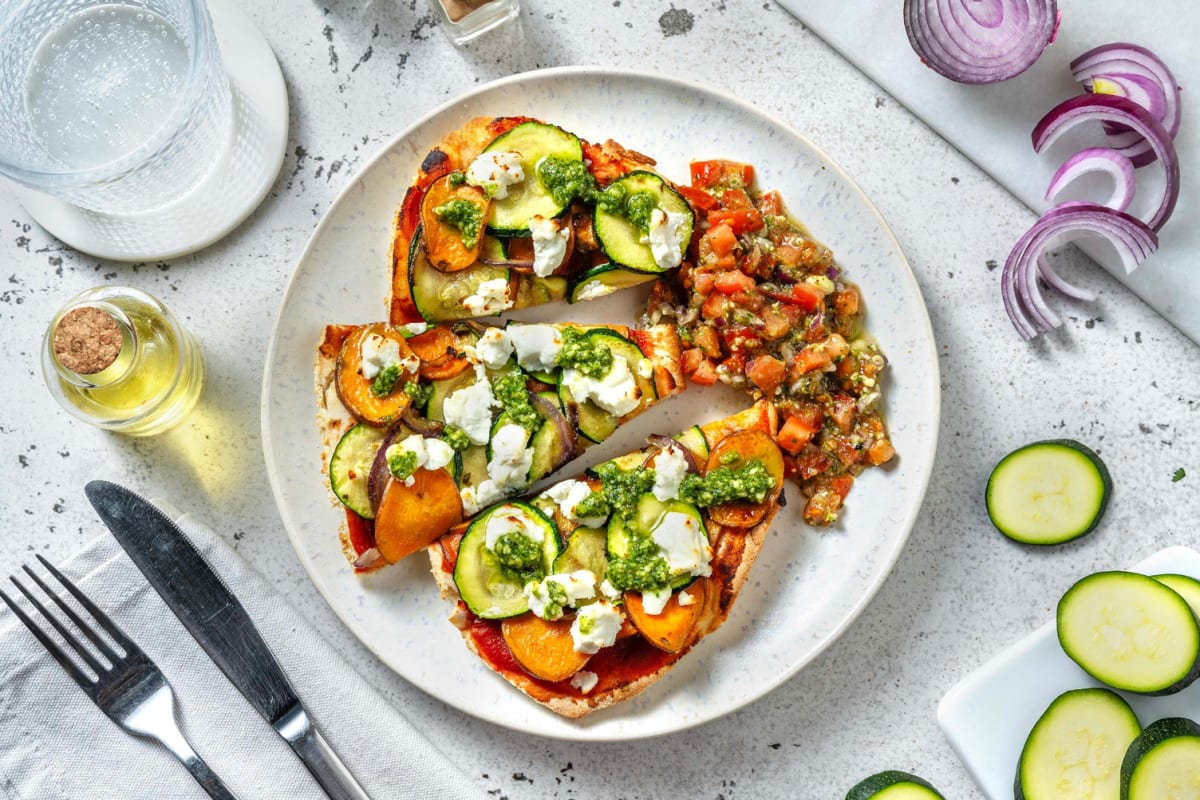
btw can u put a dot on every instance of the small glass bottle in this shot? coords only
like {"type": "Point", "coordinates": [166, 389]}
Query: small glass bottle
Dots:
{"type": "Point", "coordinates": [463, 20]}
{"type": "Point", "coordinates": [116, 358]}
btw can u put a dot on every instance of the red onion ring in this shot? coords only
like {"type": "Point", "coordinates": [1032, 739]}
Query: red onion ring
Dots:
{"type": "Point", "coordinates": [1109, 108]}
{"type": "Point", "coordinates": [1129, 67]}
{"type": "Point", "coordinates": [980, 41]}
{"type": "Point", "coordinates": [1098, 159]}
{"type": "Point", "coordinates": [1023, 302]}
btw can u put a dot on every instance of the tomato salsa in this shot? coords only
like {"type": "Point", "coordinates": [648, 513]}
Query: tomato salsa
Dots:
{"type": "Point", "coordinates": [763, 307]}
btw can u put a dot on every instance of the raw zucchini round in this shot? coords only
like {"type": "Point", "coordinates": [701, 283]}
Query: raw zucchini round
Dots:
{"type": "Point", "coordinates": [1075, 748]}
{"type": "Point", "coordinates": [1164, 762]}
{"type": "Point", "coordinates": [894, 785]}
{"type": "Point", "coordinates": [1187, 587]}
{"type": "Point", "coordinates": [1048, 492]}
{"type": "Point", "coordinates": [1130, 632]}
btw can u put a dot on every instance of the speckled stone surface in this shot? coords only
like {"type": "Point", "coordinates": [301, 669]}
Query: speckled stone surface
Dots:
{"type": "Point", "coordinates": [1117, 377]}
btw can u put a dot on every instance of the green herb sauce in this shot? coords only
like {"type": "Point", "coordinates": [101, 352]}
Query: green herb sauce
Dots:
{"type": "Point", "coordinates": [567, 180]}
{"type": "Point", "coordinates": [726, 484]}
{"type": "Point", "coordinates": [642, 568]}
{"type": "Point", "coordinates": [619, 489]}
{"type": "Point", "coordinates": [418, 394]}
{"type": "Point", "coordinates": [385, 382]}
{"type": "Point", "coordinates": [510, 390]}
{"type": "Point", "coordinates": [584, 353]}
{"type": "Point", "coordinates": [464, 215]}
{"type": "Point", "coordinates": [456, 437]}
{"type": "Point", "coordinates": [402, 465]}
{"type": "Point", "coordinates": [520, 557]}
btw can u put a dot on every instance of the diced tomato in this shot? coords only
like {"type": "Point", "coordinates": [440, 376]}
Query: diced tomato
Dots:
{"type": "Point", "coordinates": [842, 411]}
{"type": "Point", "coordinates": [706, 174]}
{"type": "Point", "coordinates": [809, 360]}
{"type": "Point", "coordinates": [724, 263]}
{"type": "Point", "coordinates": [690, 360]}
{"type": "Point", "coordinates": [714, 306]}
{"type": "Point", "coordinates": [734, 281]}
{"type": "Point", "coordinates": [734, 200]}
{"type": "Point", "coordinates": [787, 254]}
{"type": "Point", "coordinates": [811, 462]}
{"type": "Point", "coordinates": [771, 204]}
{"type": "Point", "coordinates": [735, 364]}
{"type": "Point", "coordinates": [845, 301]}
{"type": "Point", "coordinates": [702, 282]}
{"type": "Point", "coordinates": [880, 452]}
{"type": "Point", "coordinates": [740, 337]}
{"type": "Point", "coordinates": [697, 197]}
{"type": "Point", "coordinates": [410, 211]}
{"type": "Point", "coordinates": [795, 434]}
{"type": "Point", "coordinates": [766, 372]}
{"type": "Point", "coordinates": [722, 240]}
{"type": "Point", "coordinates": [841, 485]}
{"type": "Point", "coordinates": [845, 450]}
{"type": "Point", "coordinates": [804, 295]}
{"type": "Point", "coordinates": [705, 374]}
{"type": "Point", "coordinates": [741, 220]}
{"type": "Point", "coordinates": [822, 507]}
{"type": "Point", "coordinates": [775, 324]}
{"type": "Point", "coordinates": [707, 340]}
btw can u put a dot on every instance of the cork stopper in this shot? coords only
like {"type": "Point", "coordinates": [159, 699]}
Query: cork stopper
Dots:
{"type": "Point", "coordinates": [87, 340]}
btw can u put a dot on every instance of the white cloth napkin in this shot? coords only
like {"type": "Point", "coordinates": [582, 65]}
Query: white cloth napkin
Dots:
{"type": "Point", "coordinates": [56, 745]}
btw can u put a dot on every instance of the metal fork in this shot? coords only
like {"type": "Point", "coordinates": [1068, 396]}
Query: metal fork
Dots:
{"type": "Point", "coordinates": [132, 692]}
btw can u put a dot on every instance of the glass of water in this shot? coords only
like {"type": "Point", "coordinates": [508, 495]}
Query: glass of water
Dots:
{"type": "Point", "coordinates": [119, 106]}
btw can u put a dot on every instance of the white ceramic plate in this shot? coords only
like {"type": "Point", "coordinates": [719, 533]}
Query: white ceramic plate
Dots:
{"type": "Point", "coordinates": [988, 714]}
{"type": "Point", "coordinates": [807, 586]}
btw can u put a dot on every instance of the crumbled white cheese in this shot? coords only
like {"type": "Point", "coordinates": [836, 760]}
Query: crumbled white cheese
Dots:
{"type": "Point", "coordinates": [430, 453]}
{"type": "Point", "coordinates": [494, 348]}
{"type": "Point", "coordinates": [595, 626]}
{"type": "Point", "coordinates": [492, 298]}
{"type": "Point", "coordinates": [584, 680]}
{"type": "Point", "coordinates": [577, 586]}
{"type": "Point", "coordinates": [616, 392]}
{"type": "Point", "coordinates": [593, 290]}
{"type": "Point", "coordinates": [470, 408]}
{"type": "Point", "coordinates": [536, 345]}
{"type": "Point", "coordinates": [511, 519]}
{"type": "Point", "coordinates": [645, 368]}
{"type": "Point", "coordinates": [670, 466]}
{"type": "Point", "coordinates": [495, 172]}
{"type": "Point", "coordinates": [377, 354]}
{"type": "Point", "coordinates": [549, 244]}
{"type": "Point", "coordinates": [686, 599]}
{"type": "Point", "coordinates": [511, 459]}
{"type": "Point", "coordinates": [666, 237]}
{"type": "Point", "coordinates": [655, 600]}
{"type": "Point", "coordinates": [569, 494]}
{"type": "Point", "coordinates": [610, 591]}
{"type": "Point", "coordinates": [416, 328]}
{"type": "Point", "coordinates": [476, 498]}
{"type": "Point", "coordinates": [683, 543]}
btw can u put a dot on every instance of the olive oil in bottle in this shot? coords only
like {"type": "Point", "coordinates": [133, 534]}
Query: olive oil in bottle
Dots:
{"type": "Point", "coordinates": [116, 358]}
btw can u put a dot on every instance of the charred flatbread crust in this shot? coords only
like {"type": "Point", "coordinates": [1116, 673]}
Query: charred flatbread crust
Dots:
{"type": "Point", "coordinates": [734, 553]}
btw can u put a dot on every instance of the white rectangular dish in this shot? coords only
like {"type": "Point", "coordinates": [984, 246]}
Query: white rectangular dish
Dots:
{"type": "Point", "coordinates": [988, 714]}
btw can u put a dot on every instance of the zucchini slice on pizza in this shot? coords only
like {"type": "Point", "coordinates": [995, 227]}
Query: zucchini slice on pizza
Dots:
{"type": "Point", "coordinates": [423, 426]}
{"type": "Point", "coordinates": [511, 212]}
{"type": "Point", "coordinates": [584, 595]}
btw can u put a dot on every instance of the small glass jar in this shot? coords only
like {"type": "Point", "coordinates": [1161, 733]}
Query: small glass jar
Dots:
{"type": "Point", "coordinates": [463, 20]}
{"type": "Point", "coordinates": [115, 357]}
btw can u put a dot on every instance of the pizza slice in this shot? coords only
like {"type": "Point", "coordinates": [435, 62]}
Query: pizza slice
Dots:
{"type": "Point", "coordinates": [510, 212]}
{"type": "Point", "coordinates": [422, 425]}
{"type": "Point", "coordinates": [586, 594]}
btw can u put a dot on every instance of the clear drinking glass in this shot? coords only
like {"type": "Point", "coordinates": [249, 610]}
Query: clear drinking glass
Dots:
{"type": "Point", "coordinates": [466, 19]}
{"type": "Point", "coordinates": [120, 106]}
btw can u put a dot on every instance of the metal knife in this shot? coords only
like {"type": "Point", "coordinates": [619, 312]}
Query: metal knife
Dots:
{"type": "Point", "coordinates": [216, 619]}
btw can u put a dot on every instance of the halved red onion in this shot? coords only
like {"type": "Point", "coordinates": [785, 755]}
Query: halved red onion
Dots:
{"type": "Point", "coordinates": [422, 425]}
{"type": "Point", "coordinates": [380, 474]}
{"type": "Point", "coordinates": [1132, 69]}
{"type": "Point", "coordinates": [1098, 159]}
{"type": "Point", "coordinates": [566, 431]}
{"type": "Point", "coordinates": [1023, 302]}
{"type": "Point", "coordinates": [1109, 108]}
{"type": "Point", "coordinates": [368, 559]}
{"type": "Point", "coordinates": [980, 41]}
{"type": "Point", "coordinates": [667, 443]}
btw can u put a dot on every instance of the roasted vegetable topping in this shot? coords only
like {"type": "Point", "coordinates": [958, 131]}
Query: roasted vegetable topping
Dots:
{"type": "Point", "coordinates": [464, 215]}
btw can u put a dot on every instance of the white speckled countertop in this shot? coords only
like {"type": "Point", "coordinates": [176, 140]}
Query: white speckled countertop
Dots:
{"type": "Point", "coordinates": [1117, 377]}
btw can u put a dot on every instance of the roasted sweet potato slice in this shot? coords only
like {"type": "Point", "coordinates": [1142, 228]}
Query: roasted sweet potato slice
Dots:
{"type": "Point", "coordinates": [438, 349]}
{"type": "Point", "coordinates": [544, 649]}
{"type": "Point", "coordinates": [412, 517]}
{"type": "Point", "coordinates": [448, 247]}
{"type": "Point", "coordinates": [671, 630]}
{"type": "Point", "coordinates": [355, 391]}
{"type": "Point", "coordinates": [747, 446]}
